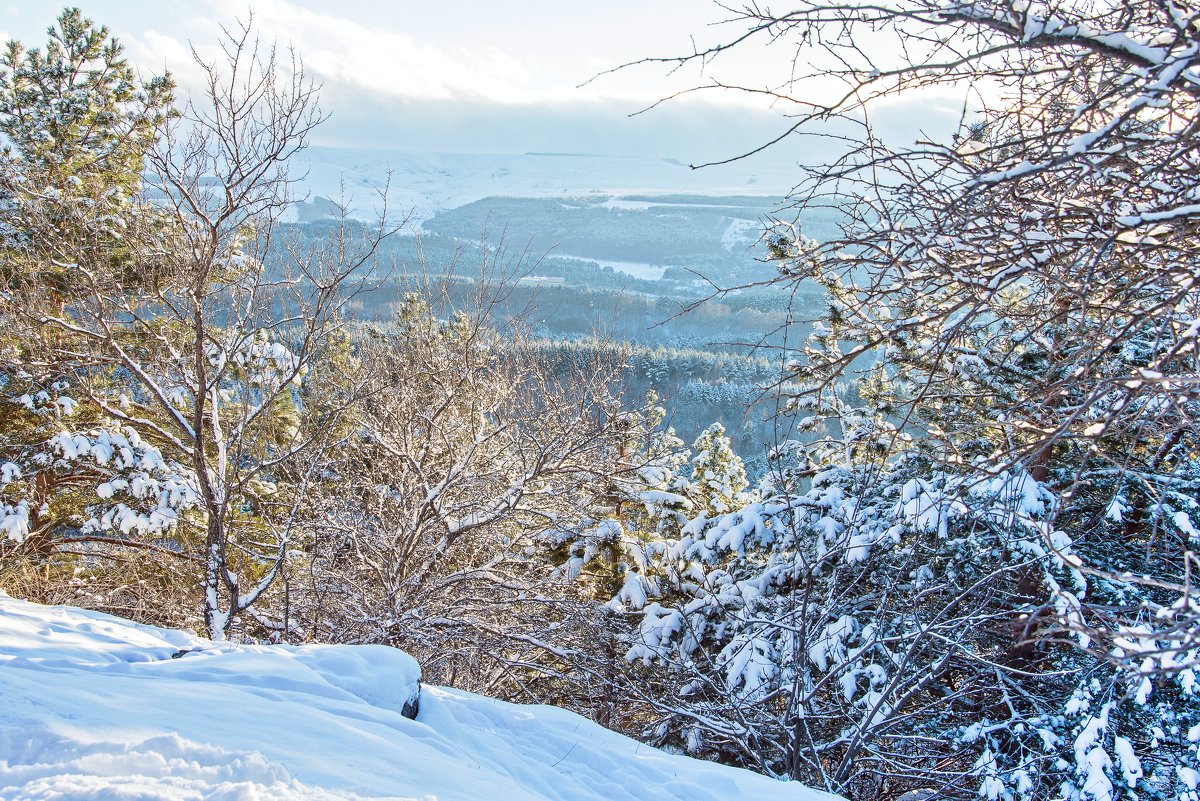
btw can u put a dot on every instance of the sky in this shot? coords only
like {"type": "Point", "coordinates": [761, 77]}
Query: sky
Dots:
{"type": "Point", "coordinates": [483, 76]}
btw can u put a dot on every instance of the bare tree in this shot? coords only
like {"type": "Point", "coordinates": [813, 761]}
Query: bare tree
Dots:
{"type": "Point", "coordinates": [467, 446]}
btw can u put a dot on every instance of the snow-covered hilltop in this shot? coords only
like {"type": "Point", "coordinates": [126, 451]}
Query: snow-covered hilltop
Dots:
{"type": "Point", "coordinates": [93, 706]}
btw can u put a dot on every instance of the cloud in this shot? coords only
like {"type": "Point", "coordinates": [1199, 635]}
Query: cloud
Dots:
{"type": "Point", "coordinates": [689, 132]}
{"type": "Point", "coordinates": [489, 76]}
{"type": "Point", "coordinates": [694, 131]}
{"type": "Point", "coordinates": [377, 60]}
{"type": "Point", "coordinates": [483, 50]}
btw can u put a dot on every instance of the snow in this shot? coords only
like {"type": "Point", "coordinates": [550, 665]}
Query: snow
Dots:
{"type": "Point", "coordinates": [14, 521]}
{"type": "Point", "coordinates": [637, 269]}
{"type": "Point", "coordinates": [95, 707]}
{"type": "Point", "coordinates": [635, 591]}
{"type": "Point", "coordinates": [1131, 766]}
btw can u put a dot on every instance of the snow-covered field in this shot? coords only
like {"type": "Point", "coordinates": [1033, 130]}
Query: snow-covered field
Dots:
{"type": "Point", "coordinates": [649, 272]}
{"type": "Point", "coordinates": [95, 707]}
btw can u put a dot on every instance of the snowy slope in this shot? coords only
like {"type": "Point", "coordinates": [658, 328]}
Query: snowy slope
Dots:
{"type": "Point", "coordinates": [95, 707]}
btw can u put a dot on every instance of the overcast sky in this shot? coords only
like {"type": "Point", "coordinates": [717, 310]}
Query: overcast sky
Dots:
{"type": "Point", "coordinates": [481, 75]}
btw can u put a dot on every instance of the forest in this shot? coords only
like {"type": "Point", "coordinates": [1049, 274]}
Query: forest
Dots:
{"type": "Point", "coordinates": [950, 555]}
{"type": "Point", "coordinates": [706, 358]}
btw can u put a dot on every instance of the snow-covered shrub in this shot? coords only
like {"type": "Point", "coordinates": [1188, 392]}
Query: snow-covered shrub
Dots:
{"type": "Point", "coordinates": [900, 626]}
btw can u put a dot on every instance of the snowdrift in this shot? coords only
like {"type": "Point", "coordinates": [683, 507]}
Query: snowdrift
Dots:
{"type": "Point", "coordinates": [95, 707]}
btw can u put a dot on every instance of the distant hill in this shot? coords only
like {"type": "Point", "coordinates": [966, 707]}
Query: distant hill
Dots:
{"type": "Point", "coordinates": [430, 182]}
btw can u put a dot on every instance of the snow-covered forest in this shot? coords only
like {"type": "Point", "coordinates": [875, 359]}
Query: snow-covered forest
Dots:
{"type": "Point", "coordinates": [965, 571]}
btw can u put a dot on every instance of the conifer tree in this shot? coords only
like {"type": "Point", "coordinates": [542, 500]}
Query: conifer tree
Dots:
{"type": "Point", "coordinates": [77, 125]}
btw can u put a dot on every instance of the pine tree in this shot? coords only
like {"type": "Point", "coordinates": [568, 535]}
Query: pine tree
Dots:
{"type": "Point", "coordinates": [78, 125]}
{"type": "Point", "coordinates": [718, 475]}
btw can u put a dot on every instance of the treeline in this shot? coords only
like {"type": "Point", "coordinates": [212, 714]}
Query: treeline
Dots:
{"type": "Point", "coordinates": [432, 254]}
{"type": "Point", "coordinates": [736, 323]}
{"type": "Point", "coordinates": [432, 257]}
{"type": "Point", "coordinates": [695, 387]}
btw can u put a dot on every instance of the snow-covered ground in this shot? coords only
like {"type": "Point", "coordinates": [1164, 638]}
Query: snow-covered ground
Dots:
{"type": "Point", "coordinates": [95, 707]}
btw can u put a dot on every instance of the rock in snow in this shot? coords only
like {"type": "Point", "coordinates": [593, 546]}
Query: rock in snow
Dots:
{"type": "Point", "coordinates": [95, 707]}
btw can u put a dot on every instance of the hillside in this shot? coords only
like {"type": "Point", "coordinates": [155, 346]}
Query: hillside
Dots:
{"type": "Point", "coordinates": [94, 706]}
